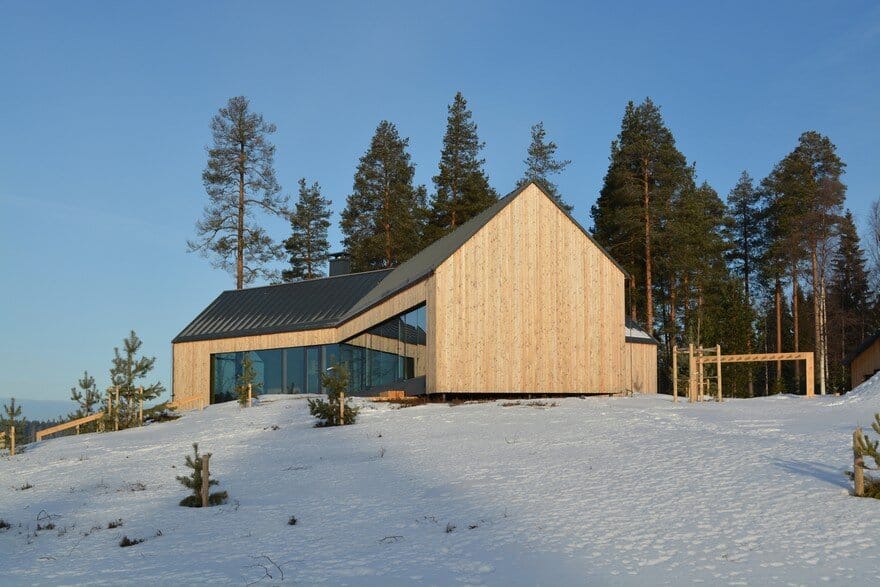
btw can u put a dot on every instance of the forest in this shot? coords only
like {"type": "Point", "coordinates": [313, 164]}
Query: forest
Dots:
{"type": "Point", "coordinates": [775, 266]}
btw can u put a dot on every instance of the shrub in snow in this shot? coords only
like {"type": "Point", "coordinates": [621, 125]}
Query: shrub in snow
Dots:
{"type": "Point", "coordinates": [335, 381]}
{"type": "Point", "coordinates": [126, 541]}
{"type": "Point", "coordinates": [194, 483]}
{"type": "Point", "coordinates": [869, 448]}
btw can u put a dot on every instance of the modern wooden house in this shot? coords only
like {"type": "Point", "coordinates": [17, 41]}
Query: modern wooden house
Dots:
{"type": "Point", "coordinates": [518, 300]}
{"type": "Point", "coordinates": [864, 362]}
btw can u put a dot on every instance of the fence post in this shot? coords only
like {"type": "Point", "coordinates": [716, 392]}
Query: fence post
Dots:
{"type": "Point", "coordinates": [116, 412]}
{"type": "Point", "coordinates": [674, 374]}
{"type": "Point", "coordinates": [250, 395]}
{"type": "Point", "coordinates": [718, 364]}
{"type": "Point", "coordinates": [141, 405]}
{"type": "Point", "coordinates": [341, 408]}
{"type": "Point", "coordinates": [206, 479]}
{"type": "Point", "coordinates": [692, 375]}
{"type": "Point", "coordinates": [12, 441]}
{"type": "Point", "coordinates": [858, 465]}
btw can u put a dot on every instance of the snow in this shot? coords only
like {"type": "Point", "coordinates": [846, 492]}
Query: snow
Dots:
{"type": "Point", "coordinates": [605, 491]}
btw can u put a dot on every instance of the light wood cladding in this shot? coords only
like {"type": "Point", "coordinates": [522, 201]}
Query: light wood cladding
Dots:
{"type": "Point", "coordinates": [865, 364]}
{"type": "Point", "coordinates": [405, 300]}
{"type": "Point", "coordinates": [192, 360]}
{"type": "Point", "coordinates": [528, 305]}
{"type": "Point", "coordinates": [641, 367]}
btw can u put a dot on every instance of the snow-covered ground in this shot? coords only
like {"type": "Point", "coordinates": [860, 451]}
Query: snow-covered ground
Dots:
{"type": "Point", "coordinates": [598, 491]}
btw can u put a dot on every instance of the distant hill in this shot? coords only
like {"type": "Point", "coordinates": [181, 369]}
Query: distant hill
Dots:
{"type": "Point", "coordinates": [42, 409]}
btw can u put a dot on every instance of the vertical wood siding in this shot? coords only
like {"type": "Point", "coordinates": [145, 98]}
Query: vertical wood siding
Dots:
{"type": "Point", "coordinates": [529, 304]}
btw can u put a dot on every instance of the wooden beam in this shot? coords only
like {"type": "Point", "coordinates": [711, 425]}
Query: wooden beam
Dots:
{"type": "Point", "coordinates": [66, 425]}
{"type": "Point", "coordinates": [757, 357]}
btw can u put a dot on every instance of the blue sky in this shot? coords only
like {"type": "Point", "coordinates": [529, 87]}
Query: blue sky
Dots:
{"type": "Point", "coordinates": [105, 106]}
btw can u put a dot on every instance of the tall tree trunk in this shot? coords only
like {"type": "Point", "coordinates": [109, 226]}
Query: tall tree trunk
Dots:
{"type": "Point", "coordinates": [796, 325]}
{"type": "Point", "coordinates": [633, 312]}
{"type": "Point", "coordinates": [649, 294]}
{"type": "Point", "coordinates": [817, 312]}
{"type": "Point", "coordinates": [778, 332]}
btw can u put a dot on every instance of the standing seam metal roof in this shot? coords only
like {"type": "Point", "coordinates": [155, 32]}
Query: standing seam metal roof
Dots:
{"type": "Point", "coordinates": [287, 307]}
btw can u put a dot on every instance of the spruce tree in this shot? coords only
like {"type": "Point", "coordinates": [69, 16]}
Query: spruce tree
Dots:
{"type": "Point", "coordinates": [849, 302]}
{"type": "Point", "coordinates": [463, 189]}
{"type": "Point", "coordinates": [542, 163]}
{"type": "Point", "coordinates": [307, 245]}
{"type": "Point", "coordinates": [125, 374]}
{"type": "Point", "coordinates": [745, 230]}
{"type": "Point", "coordinates": [239, 180]}
{"type": "Point", "coordinates": [87, 396]}
{"type": "Point", "coordinates": [384, 215]}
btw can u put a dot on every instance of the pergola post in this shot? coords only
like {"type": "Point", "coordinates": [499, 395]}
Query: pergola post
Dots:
{"type": "Point", "coordinates": [810, 376]}
{"type": "Point", "coordinates": [674, 374]}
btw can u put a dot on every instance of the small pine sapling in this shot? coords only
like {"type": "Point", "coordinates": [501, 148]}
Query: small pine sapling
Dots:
{"type": "Point", "coordinates": [335, 381]}
{"type": "Point", "coordinates": [871, 448]}
{"type": "Point", "coordinates": [193, 482]}
{"type": "Point", "coordinates": [247, 385]}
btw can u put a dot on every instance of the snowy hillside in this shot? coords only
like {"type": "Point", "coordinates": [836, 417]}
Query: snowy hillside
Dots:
{"type": "Point", "coordinates": [623, 491]}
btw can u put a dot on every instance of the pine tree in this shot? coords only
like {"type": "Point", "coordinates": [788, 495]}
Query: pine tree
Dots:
{"type": "Point", "coordinates": [240, 180]}
{"type": "Point", "coordinates": [335, 381]}
{"type": "Point", "coordinates": [308, 246]}
{"type": "Point", "coordinates": [87, 396]}
{"type": "Point", "coordinates": [463, 189]}
{"type": "Point", "coordinates": [247, 377]}
{"type": "Point", "coordinates": [383, 218]}
{"type": "Point", "coordinates": [542, 163]}
{"type": "Point", "coordinates": [645, 172]}
{"type": "Point", "coordinates": [193, 482]}
{"type": "Point", "coordinates": [127, 369]}
{"type": "Point", "coordinates": [12, 417]}
{"type": "Point", "coordinates": [807, 187]}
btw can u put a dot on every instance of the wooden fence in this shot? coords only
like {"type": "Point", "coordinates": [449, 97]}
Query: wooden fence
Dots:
{"type": "Point", "coordinates": [68, 425]}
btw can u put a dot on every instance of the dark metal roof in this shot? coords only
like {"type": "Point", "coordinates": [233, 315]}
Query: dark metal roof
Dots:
{"type": "Point", "coordinates": [635, 333]}
{"type": "Point", "coordinates": [288, 307]}
{"type": "Point", "coordinates": [861, 348]}
{"type": "Point", "coordinates": [424, 263]}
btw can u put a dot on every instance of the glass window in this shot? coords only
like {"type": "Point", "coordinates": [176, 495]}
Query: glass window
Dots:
{"type": "Point", "coordinates": [394, 350]}
{"type": "Point", "coordinates": [295, 362]}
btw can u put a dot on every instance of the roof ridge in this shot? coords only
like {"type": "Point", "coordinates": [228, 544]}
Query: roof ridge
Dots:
{"type": "Point", "coordinates": [313, 280]}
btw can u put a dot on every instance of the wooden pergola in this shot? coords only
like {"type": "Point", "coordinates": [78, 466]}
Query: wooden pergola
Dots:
{"type": "Point", "coordinates": [698, 357]}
